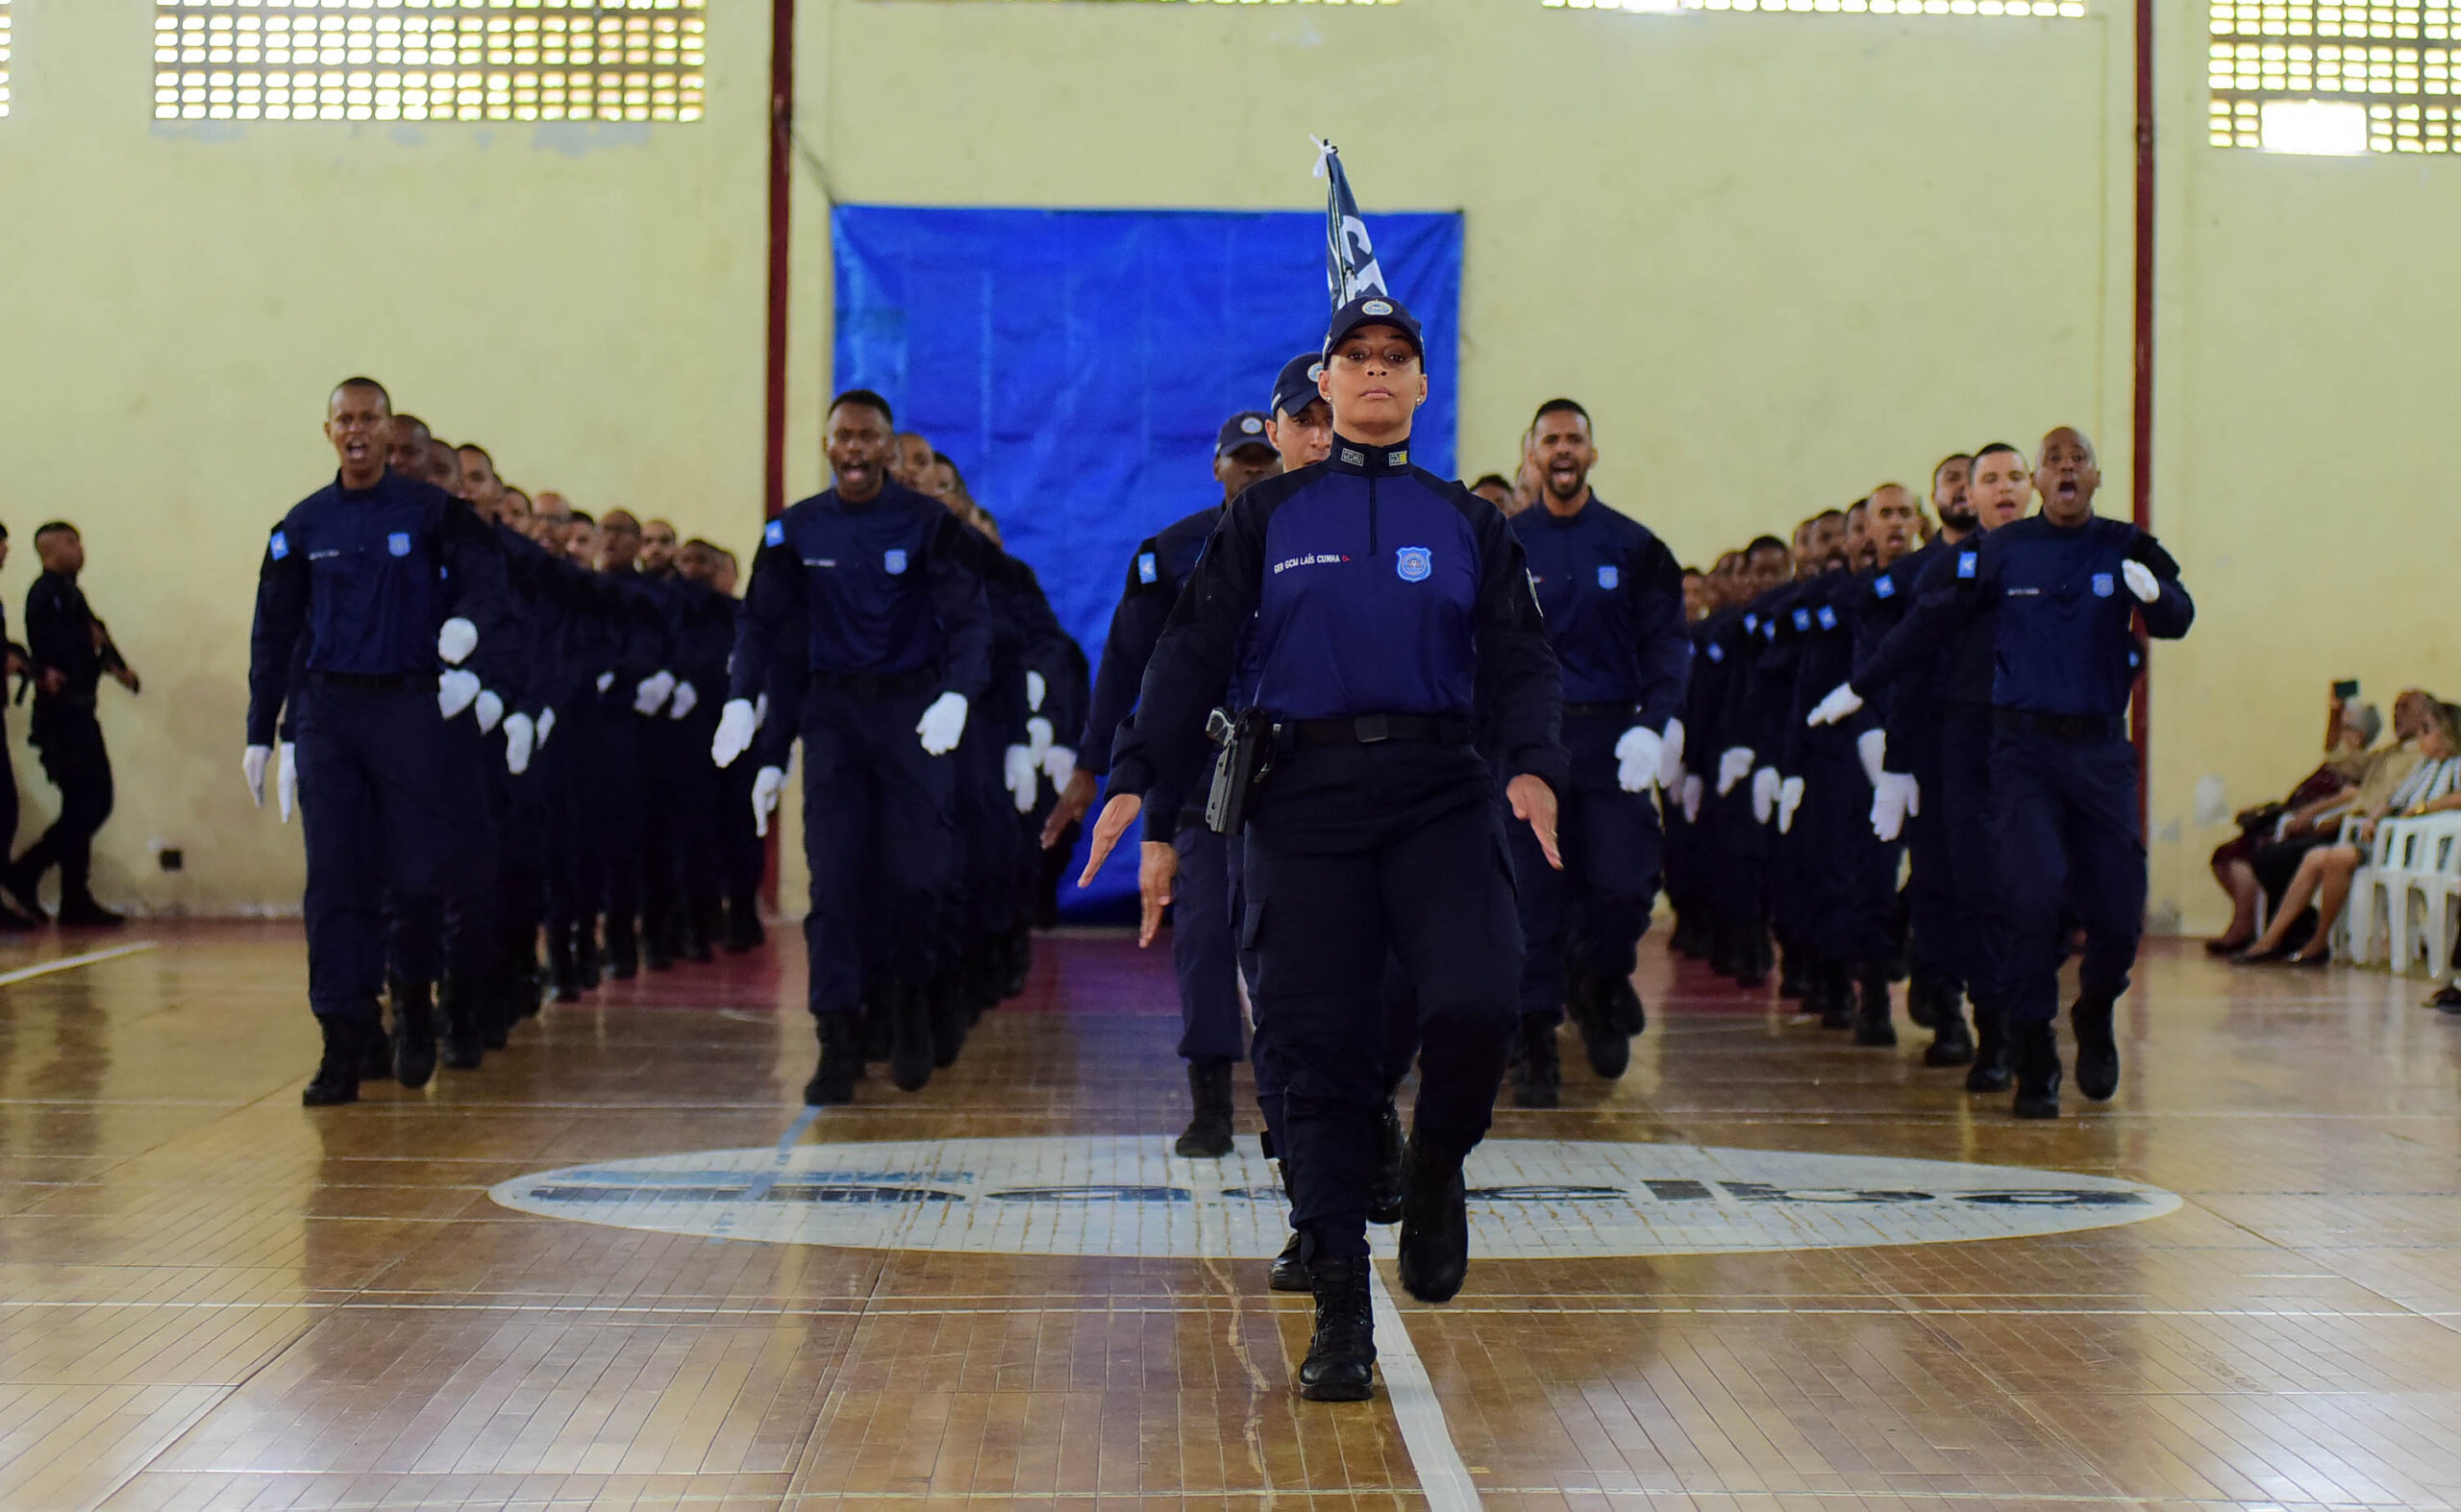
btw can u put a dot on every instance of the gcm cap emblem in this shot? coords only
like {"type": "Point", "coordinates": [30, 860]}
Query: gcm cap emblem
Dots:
{"type": "Point", "coordinates": [1376, 306]}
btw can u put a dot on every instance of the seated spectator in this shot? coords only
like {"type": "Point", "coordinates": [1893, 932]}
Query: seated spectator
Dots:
{"type": "Point", "coordinates": [2351, 730]}
{"type": "Point", "coordinates": [2318, 822]}
{"type": "Point", "coordinates": [2324, 872]}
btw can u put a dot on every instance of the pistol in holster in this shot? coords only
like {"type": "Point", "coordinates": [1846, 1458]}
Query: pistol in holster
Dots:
{"type": "Point", "coordinates": [1244, 756]}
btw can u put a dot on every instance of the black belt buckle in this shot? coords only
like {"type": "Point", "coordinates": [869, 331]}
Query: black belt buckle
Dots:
{"type": "Point", "coordinates": [1372, 727]}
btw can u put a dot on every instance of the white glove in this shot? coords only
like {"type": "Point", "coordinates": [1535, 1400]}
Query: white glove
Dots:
{"type": "Point", "coordinates": [455, 691]}
{"type": "Point", "coordinates": [1790, 797]}
{"type": "Point", "coordinates": [455, 639]}
{"type": "Point", "coordinates": [1035, 687]}
{"type": "Point", "coordinates": [1890, 797]}
{"type": "Point", "coordinates": [652, 694]}
{"type": "Point", "coordinates": [520, 738]}
{"type": "Point", "coordinates": [685, 700]}
{"type": "Point", "coordinates": [606, 681]}
{"type": "Point", "coordinates": [546, 725]}
{"type": "Point", "coordinates": [1637, 754]}
{"type": "Point", "coordinates": [491, 709]}
{"type": "Point", "coordinates": [1018, 770]}
{"type": "Point", "coordinates": [765, 785]}
{"type": "Point", "coordinates": [1670, 761]}
{"type": "Point", "coordinates": [735, 725]}
{"type": "Point", "coordinates": [761, 711]}
{"type": "Point", "coordinates": [286, 779]}
{"type": "Point", "coordinates": [1913, 795]}
{"type": "Point", "coordinates": [1059, 764]}
{"type": "Point", "coordinates": [1764, 794]}
{"type": "Point", "coordinates": [252, 766]}
{"type": "Point", "coordinates": [1871, 745]}
{"type": "Point", "coordinates": [942, 725]}
{"type": "Point", "coordinates": [1733, 767]}
{"type": "Point", "coordinates": [1842, 701]}
{"type": "Point", "coordinates": [1692, 790]}
{"type": "Point", "coordinates": [2141, 580]}
{"type": "Point", "coordinates": [1038, 738]}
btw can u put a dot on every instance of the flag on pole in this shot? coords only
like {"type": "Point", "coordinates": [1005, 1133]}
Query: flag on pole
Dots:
{"type": "Point", "coordinates": [1351, 268]}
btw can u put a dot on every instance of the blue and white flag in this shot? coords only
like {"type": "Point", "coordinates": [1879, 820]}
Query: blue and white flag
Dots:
{"type": "Point", "coordinates": [1350, 258]}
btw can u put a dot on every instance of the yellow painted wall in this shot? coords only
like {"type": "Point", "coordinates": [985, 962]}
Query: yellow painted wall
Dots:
{"type": "Point", "coordinates": [1782, 259]}
{"type": "Point", "coordinates": [586, 300]}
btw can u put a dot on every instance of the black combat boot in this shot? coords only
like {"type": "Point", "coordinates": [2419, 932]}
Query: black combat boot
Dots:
{"type": "Point", "coordinates": [840, 1062]}
{"type": "Point", "coordinates": [1921, 998]}
{"type": "Point", "coordinates": [414, 1033]}
{"type": "Point", "coordinates": [1019, 964]}
{"type": "Point", "coordinates": [1537, 1072]}
{"type": "Point", "coordinates": [1209, 1133]}
{"type": "Point", "coordinates": [564, 972]}
{"type": "Point", "coordinates": [743, 923]}
{"type": "Point", "coordinates": [1385, 1198]}
{"type": "Point", "coordinates": [1797, 977]}
{"type": "Point", "coordinates": [623, 948]}
{"type": "Point", "coordinates": [1290, 1267]}
{"type": "Point", "coordinates": [465, 1038]}
{"type": "Point", "coordinates": [1951, 1042]}
{"type": "Point", "coordinates": [1832, 994]}
{"type": "Point", "coordinates": [909, 1050]}
{"type": "Point", "coordinates": [952, 1007]}
{"type": "Point", "coordinates": [2096, 1047]}
{"type": "Point", "coordinates": [1341, 1359]}
{"type": "Point", "coordinates": [1435, 1224]}
{"type": "Point", "coordinates": [2036, 1047]}
{"type": "Point", "coordinates": [375, 1046]}
{"type": "Point", "coordinates": [1990, 1072]}
{"type": "Point", "coordinates": [1603, 1041]}
{"type": "Point", "coordinates": [700, 916]}
{"type": "Point", "coordinates": [337, 1077]}
{"type": "Point", "coordinates": [587, 956]}
{"type": "Point", "coordinates": [1872, 1024]}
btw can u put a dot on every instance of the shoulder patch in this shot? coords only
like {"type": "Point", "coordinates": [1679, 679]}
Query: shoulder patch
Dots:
{"type": "Point", "coordinates": [1884, 588]}
{"type": "Point", "coordinates": [774, 533]}
{"type": "Point", "coordinates": [1803, 619]}
{"type": "Point", "coordinates": [1717, 653]}
{"type": "Point", "coordinates": [1965, 560]}
{"type": "Point", "coordinates": [1827, 617]}
{"type": "Point", "coordinates": [280, 545]}
{"type": "Point", "coordinates": [1147, 569]}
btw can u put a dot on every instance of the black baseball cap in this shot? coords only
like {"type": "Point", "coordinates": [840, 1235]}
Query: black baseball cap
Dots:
{"type": "Point", "coordinates": [1247, 428]}
{"type": "Point", "coordinates": [1296, 389]}
{"type": "Point", "coordinates": [1374, 309]}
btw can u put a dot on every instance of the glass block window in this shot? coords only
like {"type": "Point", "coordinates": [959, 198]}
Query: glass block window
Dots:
{"type": "Point", "coordinates": [429, 59]}
{"type": "Point", "coordinates": [2022, 10]}
{"type": "Point", "coordinates": [2299, 76]}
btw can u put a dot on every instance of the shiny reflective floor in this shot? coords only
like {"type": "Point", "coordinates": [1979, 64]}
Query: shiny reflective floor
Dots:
{"type": "Point", "coordinates": [212, 1298]}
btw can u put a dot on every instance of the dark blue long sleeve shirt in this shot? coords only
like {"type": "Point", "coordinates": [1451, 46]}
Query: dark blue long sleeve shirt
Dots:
{"type": "Point", "coordinates": [2063, 627]}
{"type": "Point", "coordinates": [366, 576]}
{"type": "Point", "coordinates": [1613, 599]}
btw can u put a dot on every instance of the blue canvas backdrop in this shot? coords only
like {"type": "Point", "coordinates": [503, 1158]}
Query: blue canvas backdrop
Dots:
{"type": "Point", "coordinates": [1077, 364]}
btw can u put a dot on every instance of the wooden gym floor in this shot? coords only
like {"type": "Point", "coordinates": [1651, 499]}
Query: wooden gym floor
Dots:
{"type": "Point", "coordinates": [212, 1298]}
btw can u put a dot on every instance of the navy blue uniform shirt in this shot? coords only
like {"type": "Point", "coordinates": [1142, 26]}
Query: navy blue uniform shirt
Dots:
{"type": "Point", "coordinates": [1613, 597]}
{"type": "Point", "coordinates": [879, 589]}
{"type": "Point", "coordinates": [2063, 631]}
{"type": "Point", "coordinates": [1155, 574]}
{"type": "Point", "coordinates": [367, 576]}
{"type": "Point", "coordinates": [60, 636]}
{"type": "Point", "coordinates": [1374, 587]}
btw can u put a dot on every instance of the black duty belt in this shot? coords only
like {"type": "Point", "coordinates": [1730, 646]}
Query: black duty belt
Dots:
{"type": "Point", "coordinates": [1611, 709]}
{"type": "Point", "coordinates": [882, 684]}
{"type": "Point", "coordinates": [1368, 730]}
{"type": "Point", "coordinates": [379, 681]}
{"type": "Point", "coordinates": [2076, 728]}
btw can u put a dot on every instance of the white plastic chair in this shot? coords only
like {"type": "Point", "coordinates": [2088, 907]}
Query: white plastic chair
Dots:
{"type": "Point", "coordinates": [2355, 934]}
{"type": "Point", "coordinates": [2432, 880]}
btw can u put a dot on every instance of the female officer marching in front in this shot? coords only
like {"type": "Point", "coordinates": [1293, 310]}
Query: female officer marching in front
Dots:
{"type": "Point", "coordinates": [1383, 598]}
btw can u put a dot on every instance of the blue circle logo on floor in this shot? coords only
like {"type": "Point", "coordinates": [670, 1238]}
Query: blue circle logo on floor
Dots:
{"type": "Point", "coordinates": [1129, 1196]}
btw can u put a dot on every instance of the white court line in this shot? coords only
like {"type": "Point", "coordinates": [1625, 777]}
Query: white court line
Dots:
{"type": "Point", "coordinates": [9, 978]}
{"type": "Point", "coordinates": [1442, 1476]}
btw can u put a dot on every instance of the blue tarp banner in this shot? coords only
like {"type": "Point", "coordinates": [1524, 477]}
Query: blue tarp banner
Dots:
{"type": "Point", "coordinates": [1076, 365]}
